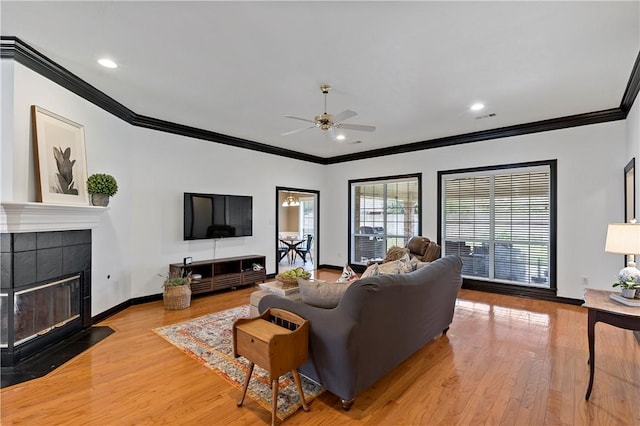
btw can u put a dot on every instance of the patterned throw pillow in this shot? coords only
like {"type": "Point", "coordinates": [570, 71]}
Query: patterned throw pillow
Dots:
{"type": "Point", "coordinates": [400, 266]}
{"type": "Point", "coordinates": [348, 275]}
{"type": "Point", "coordinates": [371, 271]}
{"type": "Point", "coordinates": [322, 294]}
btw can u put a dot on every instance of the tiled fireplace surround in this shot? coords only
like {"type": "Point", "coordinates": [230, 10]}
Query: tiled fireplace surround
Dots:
{"type": "Point", "coordinates": [35, 314]}
{"type": "Point", "coordinates": [41, 244]}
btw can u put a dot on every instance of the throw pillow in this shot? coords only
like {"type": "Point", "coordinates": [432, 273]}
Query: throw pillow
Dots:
{"type": "Point", "coordinates": [395, 253]}
{"type": "Point", "coordinates": [348, 275]}
{"type": "Point", "coordinates": [371, 271]}
{"type": "Point", "coordinates": [400, 266]}
{"type": "Point", "coordinates": [322, 294]}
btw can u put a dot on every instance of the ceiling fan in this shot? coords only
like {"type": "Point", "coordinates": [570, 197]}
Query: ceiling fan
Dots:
{"type": "Point", "coordinates": [329, 122]}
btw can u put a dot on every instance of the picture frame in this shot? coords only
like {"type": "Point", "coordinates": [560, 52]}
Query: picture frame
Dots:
{"type": "Point", "coordinates": [60, 158]}
{"type": "Point", "coordinates": [630, 191]}
{"type": "Point", "coordinates": [629, 194]}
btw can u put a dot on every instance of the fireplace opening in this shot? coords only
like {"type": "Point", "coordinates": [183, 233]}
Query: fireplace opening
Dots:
{"type": "Point", "coordinates": [39, 310]}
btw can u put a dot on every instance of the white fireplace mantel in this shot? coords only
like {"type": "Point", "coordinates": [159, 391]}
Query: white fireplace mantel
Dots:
{"type": "Point", "coordinates": [37, 217]}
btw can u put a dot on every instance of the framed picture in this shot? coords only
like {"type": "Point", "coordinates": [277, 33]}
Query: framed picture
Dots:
{"type": "Point", "coordinates": [60, 157]}
{"type": "Point", "coordinates": [630, 191]}
{"type": "Point", "coordinates": [629, 194]}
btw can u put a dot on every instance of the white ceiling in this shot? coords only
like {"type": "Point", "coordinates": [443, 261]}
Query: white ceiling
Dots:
{"type": "Point", "coordinates": [412, 69]}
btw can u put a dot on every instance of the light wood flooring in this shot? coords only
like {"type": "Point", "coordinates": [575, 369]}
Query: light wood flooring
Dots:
{"type": "Point", "coordinates": [505, 361]}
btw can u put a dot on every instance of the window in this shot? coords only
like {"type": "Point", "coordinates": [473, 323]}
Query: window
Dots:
{"type": "Point", "coordinates": [384, 212]}
{"type": "Point", "coordinates": [500, 221]}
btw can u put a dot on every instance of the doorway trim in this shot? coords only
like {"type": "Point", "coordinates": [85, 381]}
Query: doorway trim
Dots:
{"type": "Point", "coordinates": [316, 258]}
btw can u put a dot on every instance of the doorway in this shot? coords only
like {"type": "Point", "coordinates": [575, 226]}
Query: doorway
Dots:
{"type": "Point", "coordinates": [297, 228]}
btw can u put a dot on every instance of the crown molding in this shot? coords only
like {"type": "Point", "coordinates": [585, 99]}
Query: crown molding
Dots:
{"type": "Point", "coordinates": [16, 49]}
{"type": "Point", "coordinates": [612, 114]}
{"type": "Point", "coordinates": [633, 86]}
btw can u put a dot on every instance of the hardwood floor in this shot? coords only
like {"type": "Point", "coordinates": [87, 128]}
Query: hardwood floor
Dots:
{"type": "Point", "coordinates": [505, 361]}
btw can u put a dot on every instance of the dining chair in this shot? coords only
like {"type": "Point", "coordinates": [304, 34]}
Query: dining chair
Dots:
{"type": "Point", "coordinates": [283, 251]}
{"type": "Point", "coordinates": [304, 249]}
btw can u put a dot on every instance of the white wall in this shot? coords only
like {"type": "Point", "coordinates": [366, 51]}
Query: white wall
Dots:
{"type": "Point", "coordinates": [590, 194]}
{"type": "Point", "coordinates": [142, 231]}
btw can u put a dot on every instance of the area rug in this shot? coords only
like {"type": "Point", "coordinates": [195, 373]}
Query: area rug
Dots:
{"type": "Point", "coordinates": [209, 340]}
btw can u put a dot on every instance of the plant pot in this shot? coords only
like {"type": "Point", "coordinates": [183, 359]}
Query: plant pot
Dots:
{"type": "Point", "coordinates": [100, 200]}
{"type": "Point", "coordinates": [177, 297]}
{"type": "Point", "coordinates": [629, 293]}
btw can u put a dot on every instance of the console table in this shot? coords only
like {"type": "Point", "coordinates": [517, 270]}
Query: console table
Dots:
{"type": "Point", "coordinates": [277, 341]}
{"type": "Point", "coordinates": [218, 274]}
{"type": "Point", "coordinates": [602, 308]}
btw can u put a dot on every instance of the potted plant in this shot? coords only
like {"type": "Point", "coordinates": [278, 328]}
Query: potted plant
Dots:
{"type": "Point", "coordinates": [628, 288]}
{"type": "Point", "coordinates": [101, 186]}
{"type": "Point", "coordinates": [177, 291]}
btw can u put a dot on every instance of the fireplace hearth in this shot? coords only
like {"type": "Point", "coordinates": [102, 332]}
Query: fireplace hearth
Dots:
{"type": "Point", "coordinates": [45, 291]}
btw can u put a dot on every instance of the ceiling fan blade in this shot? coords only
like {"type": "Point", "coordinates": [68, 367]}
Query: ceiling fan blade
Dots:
{"type": "Point", "coordinates": [347, 113]}
{"type": "Point", "coordinates": [356, 127]}
{"type": "Point", "coordinates": [300, 118]}
{"type": "Point", "coordinates": [296, 131]}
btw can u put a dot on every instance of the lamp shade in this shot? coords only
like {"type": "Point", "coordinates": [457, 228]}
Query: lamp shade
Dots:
{"type": "Point", "coordinates": [623, 238]}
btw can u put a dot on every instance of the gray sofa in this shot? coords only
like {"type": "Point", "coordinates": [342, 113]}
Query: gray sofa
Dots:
{"type": "Point", "coordinates": [379, 322]}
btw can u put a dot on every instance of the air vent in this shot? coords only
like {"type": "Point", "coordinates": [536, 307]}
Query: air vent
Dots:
{"type": "Point", "coordinates": [480, 117]}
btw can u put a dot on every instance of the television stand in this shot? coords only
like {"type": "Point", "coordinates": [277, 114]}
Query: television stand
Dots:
{"type": "Point", "coordinates": [224, 273]}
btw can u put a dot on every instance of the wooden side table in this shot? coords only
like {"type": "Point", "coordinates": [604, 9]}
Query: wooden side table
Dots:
{"type": "Point", "coordinates": [277, 341]}
{"type": "Point", "coordinates": [602, 309]}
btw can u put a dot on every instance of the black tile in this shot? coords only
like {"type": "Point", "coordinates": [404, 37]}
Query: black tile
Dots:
{"type": "Point", "coordinates": [48, 239]}
{"type": "Point", "coordinates": [6, 270]}
{"type": "Point", "coordinates": [53, 357]}
{"type": "Point", "coordinates": [24, 241]}
{"type": "Point", "coordinates": [49, 264]}
{"type": "Point", "coordinates": [86, 284]}
{"type": "Point", "coordinates": [5, 243]}
{"type": "Point", "coordinates": [24, 268]}
{"type": "Point", "coordinates": [76, 258]}
{"type": "Point", "coordinates": [76, 237]}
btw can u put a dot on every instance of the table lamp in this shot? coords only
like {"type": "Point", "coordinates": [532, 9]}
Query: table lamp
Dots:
{"type": "Point", "coordinates": [624, 238]}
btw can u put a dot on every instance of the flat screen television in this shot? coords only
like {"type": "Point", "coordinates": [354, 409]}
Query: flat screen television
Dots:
{"type": "Point", "coordinates": [217, 216]}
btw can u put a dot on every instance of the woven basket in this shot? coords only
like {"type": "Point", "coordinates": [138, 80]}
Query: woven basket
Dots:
{"type": "Point", "coordinates": [289, 282]}
{"type": "Point", "coordinates": [177, 297]}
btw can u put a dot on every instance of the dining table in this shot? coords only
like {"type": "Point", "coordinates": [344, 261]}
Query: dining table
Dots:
{"type": "Point", "coordinates": [292, 244]}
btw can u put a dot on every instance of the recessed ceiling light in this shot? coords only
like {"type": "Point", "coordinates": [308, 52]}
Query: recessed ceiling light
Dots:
{"type": "Point", "coordinates": [477, 106]}
{"type": "Point", "coordinates": [341, 137]}
{"type": "Point", "coordinates": [107, 63]}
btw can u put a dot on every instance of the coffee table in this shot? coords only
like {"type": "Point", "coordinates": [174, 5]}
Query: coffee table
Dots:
{"type": "Point", "coordinates": [274, 287]}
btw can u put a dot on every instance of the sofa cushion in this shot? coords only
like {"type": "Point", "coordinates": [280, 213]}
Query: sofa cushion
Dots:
{"type": "Point", "coordinates": [322, 294]}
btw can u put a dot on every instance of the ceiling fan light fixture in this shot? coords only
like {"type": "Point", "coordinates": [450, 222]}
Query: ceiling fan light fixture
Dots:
{"type": "Point", "coordinates": [341, 137]}
{"type": "Point", "coordinates": [477, 106]}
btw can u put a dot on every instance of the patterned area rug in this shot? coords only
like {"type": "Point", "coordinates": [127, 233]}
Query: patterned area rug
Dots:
{"type": "Point", "coordinates": [209, 339]}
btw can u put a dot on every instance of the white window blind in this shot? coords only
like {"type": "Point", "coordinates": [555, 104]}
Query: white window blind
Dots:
{"type": "Point", "coordinates": [498, 221]}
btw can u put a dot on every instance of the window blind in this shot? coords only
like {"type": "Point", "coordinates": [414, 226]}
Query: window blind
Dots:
{"type": "Point", "coordinates": [499, 222]}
